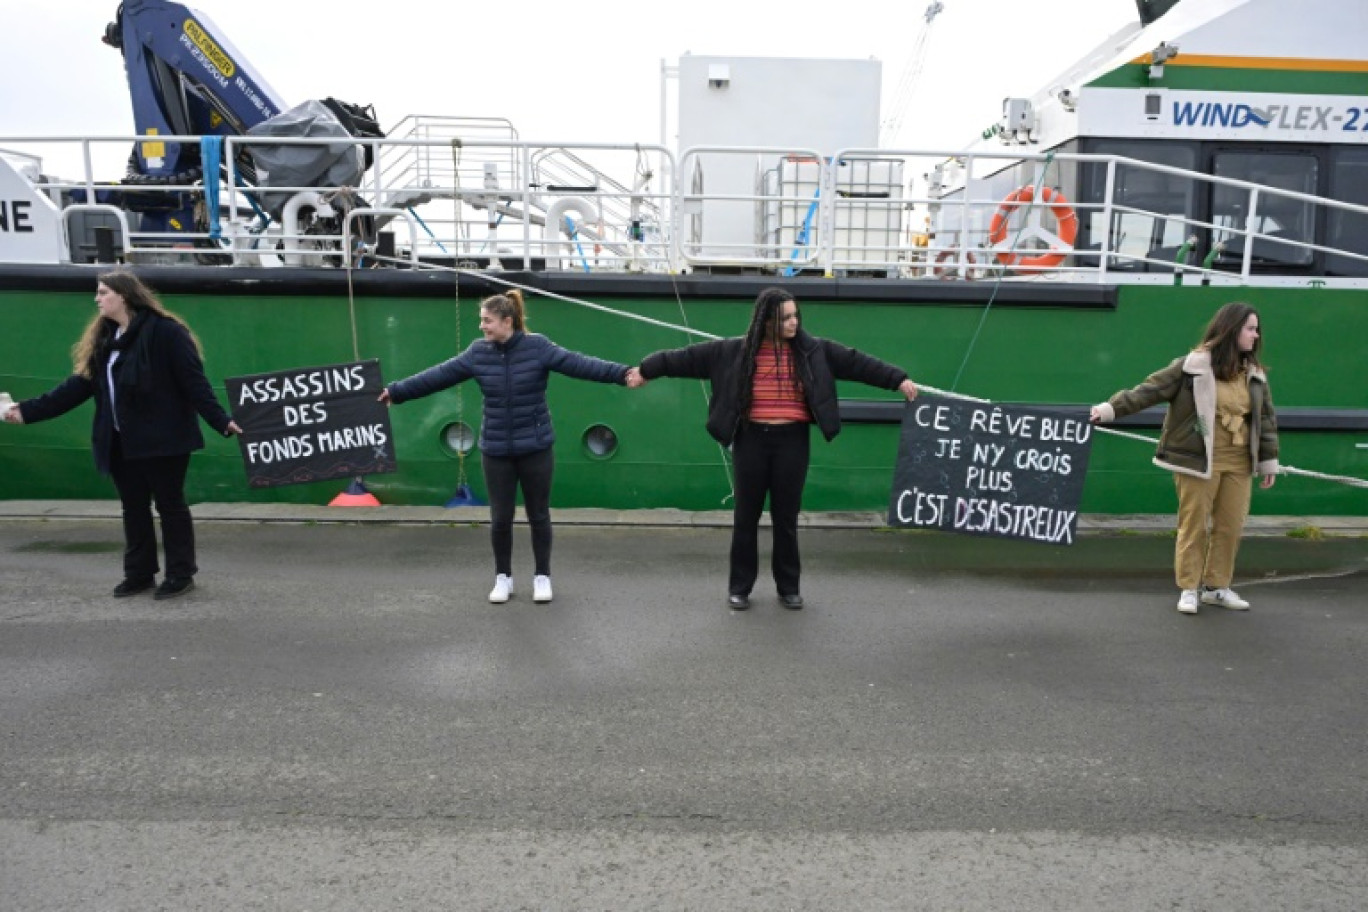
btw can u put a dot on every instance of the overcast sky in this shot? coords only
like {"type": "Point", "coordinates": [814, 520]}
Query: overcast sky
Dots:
{"type": "Point", "coordinates": [559, 70]}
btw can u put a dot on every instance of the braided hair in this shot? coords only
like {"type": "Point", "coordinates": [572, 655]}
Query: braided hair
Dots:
{"type": "Point", "coordinates": [764, 327]}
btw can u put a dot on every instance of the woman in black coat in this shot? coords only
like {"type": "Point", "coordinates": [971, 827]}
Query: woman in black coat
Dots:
{"type": "Point", "coordinates": [768, 386]}
{"type": "Point", "coordinates": [143, 367]}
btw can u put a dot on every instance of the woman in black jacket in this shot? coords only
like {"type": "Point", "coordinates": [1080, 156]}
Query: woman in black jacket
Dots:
{"type": "Point", "coordinates": [767, 387]}
{"type": "Point", "coordinates": [143, 367]}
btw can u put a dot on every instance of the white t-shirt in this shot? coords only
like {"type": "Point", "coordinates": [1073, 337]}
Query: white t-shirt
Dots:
{"type": "Point", "coordinates": [109, 378]}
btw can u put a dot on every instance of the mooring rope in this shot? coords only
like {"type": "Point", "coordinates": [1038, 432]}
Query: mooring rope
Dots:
{"type": "Point", "coordinates": [1000, 270]}
{"type": "Point", "coordinates": [703, 389]}
{"type": "Point", "coordinates": [601, 308]}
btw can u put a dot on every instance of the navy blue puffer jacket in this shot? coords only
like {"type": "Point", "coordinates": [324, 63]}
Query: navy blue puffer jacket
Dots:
{"type": "Point", "coordinates": [512, 377]}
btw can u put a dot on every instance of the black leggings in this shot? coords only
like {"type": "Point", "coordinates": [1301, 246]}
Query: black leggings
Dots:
{"type": "Point", "coordinates": [769, 459]}
{"type": "Point", "coordinates": [503, 476]}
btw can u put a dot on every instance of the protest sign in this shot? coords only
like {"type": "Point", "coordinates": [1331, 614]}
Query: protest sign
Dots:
{"type": "Point", "coordinates": [312, 424]}
{"type": "Point", "coordinates": [983, 469]}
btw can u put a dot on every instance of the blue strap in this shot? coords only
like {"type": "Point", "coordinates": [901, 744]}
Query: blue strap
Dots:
{"type": "Point", "coordinates": [573, 230]}
{"type": "Point", "coordinates": [804, 232]}
{"type": "Point", "coordinates": [427, 229]}
{"type": "Point", "coordinates": [211, 157]}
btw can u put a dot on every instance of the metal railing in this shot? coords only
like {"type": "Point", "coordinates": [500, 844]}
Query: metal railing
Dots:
{"type": "Point", "coordinates": [472, 193]}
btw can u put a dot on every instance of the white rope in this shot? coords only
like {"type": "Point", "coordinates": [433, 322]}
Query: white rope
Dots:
{"type": "Point", "coordinates": [1105, 430]}
{"type": "Point", "coordinates": [484, 276]}
{"type": "Point", "coordinates": [703, 389]}
{"type": "Point", "coordinates": [532, 289]}
{"type": "Point", "coordinates": [1306, 473]}
{"type": "Point", "coordinates": [351, 313]}
{"type": "Point", "coordinates": [1282, 469]}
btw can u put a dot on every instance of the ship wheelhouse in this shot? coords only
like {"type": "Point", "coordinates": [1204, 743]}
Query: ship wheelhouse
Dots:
{"type": "Point", "coordinates": [1154, 213]}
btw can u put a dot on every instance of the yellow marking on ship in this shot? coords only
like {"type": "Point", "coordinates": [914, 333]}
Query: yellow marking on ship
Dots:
{"type": "Point", "coordinates": [1301, 64]}
{"type": "Point", "coordinates": [215, 54]}
{"type": "Point", "coordinates": [153, 149]}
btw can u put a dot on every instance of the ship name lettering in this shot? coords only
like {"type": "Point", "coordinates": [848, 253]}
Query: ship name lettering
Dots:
{"type": "Point", "coordinates": [14, 216]}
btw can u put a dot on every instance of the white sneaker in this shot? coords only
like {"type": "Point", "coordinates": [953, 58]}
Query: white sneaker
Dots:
{"type": "Point", "coordinates": [1224, 598]}
{"type": "Point", "coordinates": [503, 588]}
{"type": "Point", "coordinates": [1187, 602]}
{"type": "Point", "coordinates": [541, 589]}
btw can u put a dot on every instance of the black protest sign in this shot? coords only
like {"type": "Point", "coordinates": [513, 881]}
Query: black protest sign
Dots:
{"type": "Point", "coordinates": [982, 469]}
{"type": "Point", "coordinates": [312, 424]}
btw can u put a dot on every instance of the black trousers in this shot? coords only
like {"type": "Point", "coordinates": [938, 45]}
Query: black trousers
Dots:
{"type": "Point", "coordinates": [141, 483]}
{"type": "Point", "coordinates": [769, 459]}
{"type": "Point", "coordinates": [503, 477]}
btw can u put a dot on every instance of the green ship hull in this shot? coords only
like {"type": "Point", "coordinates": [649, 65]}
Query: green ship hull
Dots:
{"type": "Point", "coordinates": [1055, 344]}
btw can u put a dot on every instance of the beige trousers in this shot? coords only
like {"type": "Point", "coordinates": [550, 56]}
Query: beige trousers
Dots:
{"type": "Point", "coordinates": [1211, 517]}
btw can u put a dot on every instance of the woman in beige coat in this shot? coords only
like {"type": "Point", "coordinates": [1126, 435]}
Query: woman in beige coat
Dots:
{"type": "Point", "coordinates": [1220, 431]}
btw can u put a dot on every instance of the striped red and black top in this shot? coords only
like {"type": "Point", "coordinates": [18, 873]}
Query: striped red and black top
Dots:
{"type": "Point", "coordinates": [777, 394]}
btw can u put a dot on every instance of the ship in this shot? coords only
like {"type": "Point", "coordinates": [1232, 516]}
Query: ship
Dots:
{"type": "Point", "coordinates": [1207, 151]}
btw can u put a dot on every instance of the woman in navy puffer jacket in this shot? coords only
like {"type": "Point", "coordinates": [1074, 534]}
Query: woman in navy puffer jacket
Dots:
{"type": "Point", "coordinates": [511, 366]}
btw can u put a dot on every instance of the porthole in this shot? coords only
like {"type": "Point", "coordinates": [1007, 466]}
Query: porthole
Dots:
{"type": "Point", "coordinates": [457, 438]}
{"type": "Point", "coordinates": [600, 441]}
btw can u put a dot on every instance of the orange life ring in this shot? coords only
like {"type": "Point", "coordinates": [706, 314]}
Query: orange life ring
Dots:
{"type": "Point", "coordinates": [1059, 207]}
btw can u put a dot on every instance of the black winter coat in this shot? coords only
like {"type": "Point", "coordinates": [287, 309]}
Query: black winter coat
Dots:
{"type": "Point", "coordinates": [156, 420]}
{"type": "Point", "coordinates": [720, 363]}
{"type": "Point", "coordinates": [512, 376]}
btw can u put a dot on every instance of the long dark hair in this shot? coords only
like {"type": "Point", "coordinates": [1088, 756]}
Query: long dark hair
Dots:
{"type": "Point", "coordinates": [1222, 340]}
{"type": "Point", "coordinates": [764, 327]}
{"type": "Point", "coordinates": [91, 348]}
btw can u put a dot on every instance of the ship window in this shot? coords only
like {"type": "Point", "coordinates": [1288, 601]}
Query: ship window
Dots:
{"type": "Point", "coordinates": [1151, 210]}
{"type": "Point", "coordinates": [600, 441]}
{"type": "Point", "coordinates": [457, 438]}
{"type": "Point", "coordinates": [1284, 224]}
{"type": "Point", "coordinates": [1348, 230]}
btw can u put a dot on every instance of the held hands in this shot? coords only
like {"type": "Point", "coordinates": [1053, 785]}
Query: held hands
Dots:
{"type": "Point", "coordinates": [908, 389]}
{"type": "Point", "coordinates": [233, 428]}
{"type": "Point", "coordinates": [634, 379]}
{"type": "Point", "coordinates": [384, 397]}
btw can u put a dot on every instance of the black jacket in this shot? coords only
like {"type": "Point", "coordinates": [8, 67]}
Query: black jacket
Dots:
{"type": "Point", "coordinates": [720, 363]}
{"type": "Point", "coordinates": [156, 420]}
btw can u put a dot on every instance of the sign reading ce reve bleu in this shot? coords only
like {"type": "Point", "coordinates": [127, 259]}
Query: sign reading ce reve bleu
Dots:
{"type": "Point", "coordinates": [982, 469]}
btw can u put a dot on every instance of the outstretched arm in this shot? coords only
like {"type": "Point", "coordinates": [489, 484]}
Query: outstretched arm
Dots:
{"type": "Point", "coordinates": [692, 362]}
{"type": "Point", "coordinates": [582, 366]}
{"type": "Point", "coordinates": [434, 379]}
{"type": "Point", "coordinates": [59, 400]}
{"type": "Point", "coordinates": [851, 364]}
{"type": "Point", "coordinates": [1160, 386]}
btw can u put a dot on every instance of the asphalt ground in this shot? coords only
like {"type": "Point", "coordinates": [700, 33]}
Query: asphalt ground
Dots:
{"type": "Point", "coordinates": [336, 719]}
